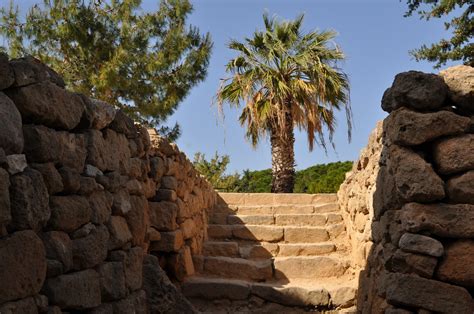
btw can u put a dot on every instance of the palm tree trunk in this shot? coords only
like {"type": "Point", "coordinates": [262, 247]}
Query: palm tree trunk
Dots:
{"type": "Point", "coordinates": [283, 156]}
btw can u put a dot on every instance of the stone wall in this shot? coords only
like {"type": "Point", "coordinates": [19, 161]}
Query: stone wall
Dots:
{"type": "Point", "coordinates": [92, 206]}
{"type": "Point", "coordinates": [355, 198]}
{"type": "Point", "coordinates": [422, 218]}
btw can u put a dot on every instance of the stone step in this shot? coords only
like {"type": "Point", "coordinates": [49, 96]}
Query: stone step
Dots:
{"type": "Point", "coordinates": [276, 209]}
{"type": "Point", "coordinates": [287, 234]}
{"type": "Point", "coordinates": [333, 293]}
{"type": "Point", "coordinates": [273, 199]}
{"type": "Point", "coordinates": [275, 219]}
{"type": "Point", "coordinates": [302, 267]}
{"type": "Point", "coordinates": [266, 250]}
{"type": "Point", "coordinates": [238, 268]}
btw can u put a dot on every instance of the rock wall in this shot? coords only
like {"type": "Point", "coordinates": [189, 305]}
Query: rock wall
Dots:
{"type": "Point", "coordinates": [422, 218]}
{"type": "Point", "coordinates": [92, 206]}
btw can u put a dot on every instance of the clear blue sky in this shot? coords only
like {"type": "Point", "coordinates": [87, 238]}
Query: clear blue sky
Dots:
{"type": "Point", "coordinates": [373, 33]}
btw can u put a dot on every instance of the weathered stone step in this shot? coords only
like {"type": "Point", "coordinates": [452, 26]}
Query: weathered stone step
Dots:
{"type": "Point", "coordinates": [302, 267]}
{"type": "Point", "coordinates": [338, 294]}
{"type": "Point", "coordinates": [266, 250]}
{"type": "Point", "coordinates": [239, 268]}
{"type": "Point", "coordinates": [277, 209]}
{"type": "Point", "coordinates": [273, 198]}
{"type": "Point", "coordinates": [288, 234]}
{"type": "Point", "coordinates": [276, 219]}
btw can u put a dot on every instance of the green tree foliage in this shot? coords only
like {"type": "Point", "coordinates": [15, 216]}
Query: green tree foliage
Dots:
{"type": "Point", "coordinates": [259, 181]}
{"type": "Point", "coordinates": [214, 171]}
{"type": "Point", "coordinates": [460, 45]}
{"type": "Point", "coordinates": [144, 63]}
{"type": "Point", "coordinates": [322, 178]}
{"type": "Point", "coordinates": [286, 78]}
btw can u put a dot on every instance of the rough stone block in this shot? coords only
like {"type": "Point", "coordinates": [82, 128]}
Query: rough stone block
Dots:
{"type": "Point", "coordinates": [291, 296]}
{"type": "Point", "coordinates": [8, 76]}
{"type": "Point", "coordinates": [456, 266]}
{"type": "Point", "coordinates": [75, 291]}
{"type": "Point", "coordinates": [219, 231]}
{"type": "Point", "coordinates": [408, 263]}
{"type": "Point", "coordinates": [169, 182]}
{"type": "Point", "coordinates": [170, 242]}
{"type": "Point", "coordinates": [11, 133]}
{"type": "Point", "coordinates": [413, 291]}
{"type": "Point", "coordinates": [163, 215]}
{"type": "Point", "coordinates": [71, 180]}
{"type": "Point", "coordinates": [48, 104]}
{"type": "Point", "coordinates": [137, 219]}
{"type": "Point", "coordinates": [51, 177]}
{"type": "Point", "coordinates": [417, 90]}
{"type": "Point", "coordinates": [58, 246]}
{"type": "Point", "coordinates": [238, 268]}
{"type": "Point", "coordinates": [29, 70]}
{"type": "Point", "coordinates": [300, 220]}
{"type": "Point", "coordinates": [308, 267]}
{"type": "Point", "coordinates": [91, 250]}
{"type": "Point", "coordinates": [215, 288]}
{"type": "Point", "coordinates": [460, 80]}
{"type": "Point", "coordinates": [310, 249]}
{"type": "Point", "coordinates": [97, 114]}
{"type": "Point", "coordinates": [100, 203]}
{"type": "Point", "coordinates": [16, 163]}
{"type": "Point", "coordinates": [214, 248]}
{"type": "Point", "coordinates": [460, 189]}
{"type": "Point", "coordinates": [451, 221]}
{"type": "Point", "coordinates": [5, 215]}
{"type": "Point", "coordinates": [29, 201]}
{"type": "Point", "coordinates": [250, 220]}
{"type": "Point", "coordinates": [455, 155]}
{"type": "Point", "coordinates": [68, 213]}
{"type": "Point", "coordinates": [189, 229]}
{"type": "Point", "coordinates": [407, 128]}
{"type": "Point", "coordinates": [259, 251]}
{"type": "Point", "coordinates": [165, 195]}
{"type": "Point", "coordinates": [119, 232]}
{"type": "Point", "coordinates": [112, 281]}
{"type": "Point", "coordinates": [416, 243]}
{"type": "Point", "coordinates": [23, 265]}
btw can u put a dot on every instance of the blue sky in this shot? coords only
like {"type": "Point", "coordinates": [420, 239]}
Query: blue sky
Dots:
{"type": "Point", "coordinates": [373, 34]}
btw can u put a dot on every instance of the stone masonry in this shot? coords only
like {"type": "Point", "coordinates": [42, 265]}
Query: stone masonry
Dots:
{"type": "Point", "coordinates": [92, 206]}
{"type": "Point", "coordinates": [409, 202]}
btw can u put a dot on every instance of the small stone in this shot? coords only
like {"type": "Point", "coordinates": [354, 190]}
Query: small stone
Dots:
{"type": "Point", "coordinates": [455, 155]}
{"type": "Point", "coordinates": [119, 232]}
{"type": "Point", "coordinates": [16, 163]}
{"type": "Point", "coordinates": [416, 243]}
{"type": "Point", "coordinates": [92, 171]}
{"type": "Point", "coordinates": [417, 90]}
{"type": "Point", "coordinates": [75, 291]}
{"type": "Point", "coordinates": [460, 189]}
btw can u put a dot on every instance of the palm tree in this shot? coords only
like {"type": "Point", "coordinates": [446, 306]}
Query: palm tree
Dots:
{"type": "Point", "coordinates": [285, 79]}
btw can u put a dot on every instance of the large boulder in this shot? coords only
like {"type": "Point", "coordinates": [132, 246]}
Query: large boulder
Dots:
{"type": "Point", "coordinates": [108, 151]}
{"type": "Point", "coordinates": [460, 80]}
{"type": "Point", "coordinates": [68, 213]}
{"type": "Point", "coordinates": [456, 266]}
{"type": "Point", "coordinates": [44, 145]}
{"type": "Point", "coordinates": [48, 104]}
{"type": "Point", "coordinates": [11, 134]}
{"type": "Point", "coordinates": [8, 77]}
{"type": "Point", "coordinates": [417, 292]}
{"type": "Point", "coordinates": [415, 179]}
{"type": "Point", "coordinates": [91, 250]}
{"type": "Point", "coordinates": [75, 291]}
{"type": "Point", "coordinates": [29, 70]}
{"type": "Point", "coordinates": [98, 114]}
{"type": "Point", "coordinates": [29, 201]}
{"type": "Point", "coordinates": [5, 215]}
{"type": "Point", "coordinates": [51, 177]}
{"type": "Point", "coordinates": [22, 264]}
{"type": "Point", "coordinates": [112, 281]}
{"type": "Point", "coordinates": [416, 90]}
{"type": "Point", "coordinates": [58, 247]}
{"type": "Point", "coordinates": [407, 128]}
{"type": "Point", "coordinates": [455, 155]}
{"type": "Point", "coordinates": [442, 220]}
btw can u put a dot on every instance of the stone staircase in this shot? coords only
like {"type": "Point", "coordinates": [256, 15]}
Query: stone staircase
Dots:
{"type": "Point", "coordinates": [266, 252]}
